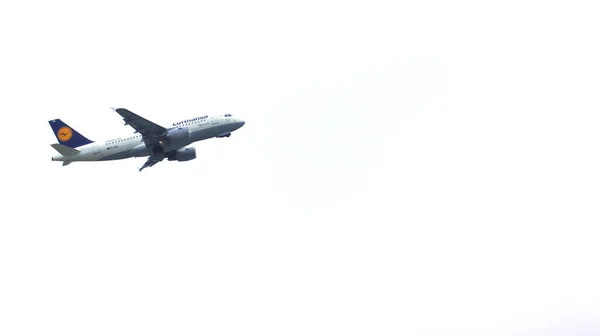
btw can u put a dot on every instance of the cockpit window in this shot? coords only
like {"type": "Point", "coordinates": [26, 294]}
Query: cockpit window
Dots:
{"type": "Point", "coordinates": [228, 115]}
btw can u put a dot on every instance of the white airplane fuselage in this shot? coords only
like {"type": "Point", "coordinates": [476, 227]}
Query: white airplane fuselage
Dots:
{"type": "Point", "coordinates": [189, 131]}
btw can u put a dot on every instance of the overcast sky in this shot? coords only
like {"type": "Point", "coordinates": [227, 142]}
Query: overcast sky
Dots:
{"type": "Point", "coordinates": [406, 168]}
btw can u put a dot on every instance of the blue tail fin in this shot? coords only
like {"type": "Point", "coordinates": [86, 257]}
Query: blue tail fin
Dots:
{"type": "Point", "coordinates": [66, 135]}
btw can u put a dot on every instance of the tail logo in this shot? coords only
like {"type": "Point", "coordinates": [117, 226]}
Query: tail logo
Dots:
{"type": "Point", "coordinates": [64, 134]}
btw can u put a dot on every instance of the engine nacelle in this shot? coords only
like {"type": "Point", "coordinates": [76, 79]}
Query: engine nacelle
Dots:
{"type": "Point", "coordinates": [183, 154]}
{"type": "Point", "coordinates": [176, 138]}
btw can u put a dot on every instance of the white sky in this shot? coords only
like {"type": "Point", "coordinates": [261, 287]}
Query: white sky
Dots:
{"type": "Point", "coordinates": [406, 168]}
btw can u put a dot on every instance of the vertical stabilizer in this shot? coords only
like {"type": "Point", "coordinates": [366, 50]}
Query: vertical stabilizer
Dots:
{"type": "Point", "coordinates": [66, 135]}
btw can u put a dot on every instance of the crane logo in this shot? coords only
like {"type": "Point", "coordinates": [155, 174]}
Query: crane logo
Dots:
{"type": "Point", "coordinates": [64, 134]}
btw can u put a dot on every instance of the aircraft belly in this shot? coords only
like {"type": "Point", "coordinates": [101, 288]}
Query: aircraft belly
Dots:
{"type": "Point", "coordinates": [211, 132]}
{"type": "Point", "coordinates": [115, 156]}
{"type": "Point", "coordinates": [124, 154]}
{"type": "Point", "coordinates": [140, 150]}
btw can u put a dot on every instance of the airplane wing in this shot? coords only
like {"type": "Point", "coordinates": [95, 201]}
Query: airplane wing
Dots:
{"type": "Point", "coordinates": [152, 160]}
{"type": "Point", "coordinates": [151, 132]}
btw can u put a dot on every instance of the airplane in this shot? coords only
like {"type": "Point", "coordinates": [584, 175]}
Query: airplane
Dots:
{"type": "Point", "coordinates": [149, 139]}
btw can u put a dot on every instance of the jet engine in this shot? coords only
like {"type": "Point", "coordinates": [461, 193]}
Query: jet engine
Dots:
{"type": "Point", "coordinates": [183, 154]}
{"type": "Point", "coordinates": [176, 138]}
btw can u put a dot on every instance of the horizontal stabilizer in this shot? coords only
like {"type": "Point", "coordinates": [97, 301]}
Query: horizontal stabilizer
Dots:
{"type": "Point", "coordinates": [65, 150]}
